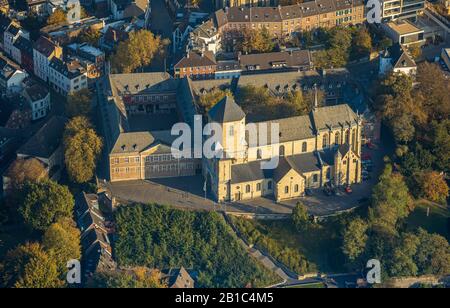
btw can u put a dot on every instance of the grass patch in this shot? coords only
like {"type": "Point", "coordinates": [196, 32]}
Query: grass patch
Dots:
{"type": "Point", "coordinates": [319, 246]}
{"type": "Point", "coordinates": [436, 222]}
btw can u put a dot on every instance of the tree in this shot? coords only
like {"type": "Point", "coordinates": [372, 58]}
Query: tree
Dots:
{"type": "Point", "coordinates": [433, 254]}
{"type": "Point", "coordinates": [415, 51]}
{"type": "Point", "coordinates": [44, 203]}
{"type": "Point", "coordinates": [62, 242]}
{"type": "Point", "coordinates": [208, 100]}
{"type": "Point", "coordinates": [25, 170]}
{"type": "Point", "coordinates": [433, 186]}
{"type": "Point", "coordinates": [355, 239]}
{"type": "Point", "coordinates": [440, 134]}
{"type": "Point", "coordinates": [137, 51]}
{"type": "Point", "coordinates": [362, 41]}
{"type": "Point", "coordinates": [29, 266]}
{"type": "Point", "coordinates": [79, 103]}
{"type": "Point", "coordinates": [82, 148]}
{"type": "Point", "coordinates": [433, 86]}
{"type": "Point", "coordinates": [396, 105]}
{"type": "Point", "coordinates": [391, 201]}
{"type": "Point", "coordinates": [402, 263]}
{"type": "Point", "coordinates": [90, 36]}
{"type": "Point", "coordinates": [138, 277]}
{"type": "Point", "coordinates": [58, 17]}
{"type": "Point", "coordinates": [256, 41]}
{"type": "Point", "coordinates": [300, 216]}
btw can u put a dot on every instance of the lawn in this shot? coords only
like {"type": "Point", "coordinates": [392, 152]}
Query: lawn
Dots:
{"type": "Point", "coordinates": [436, 222]}
{"type": "Point", "coordinates": [319, 245]}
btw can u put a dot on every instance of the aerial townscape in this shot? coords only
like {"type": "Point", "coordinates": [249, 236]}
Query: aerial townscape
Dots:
{"type": "Point", "coordinates": [224, 144]}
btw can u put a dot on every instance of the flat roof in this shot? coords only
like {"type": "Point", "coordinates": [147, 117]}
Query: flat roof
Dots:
{"type": "Point", "coordinates": [403, 27]}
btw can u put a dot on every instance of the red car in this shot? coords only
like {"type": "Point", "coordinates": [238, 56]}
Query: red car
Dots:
{"type": "Point", "coordinates": [348, 190]}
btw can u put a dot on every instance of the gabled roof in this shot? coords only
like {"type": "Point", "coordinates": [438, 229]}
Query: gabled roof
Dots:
{"type": "Point", "coordinates": [45, 142]}
{"type": "Point", "coordinates": [136, 142]}
{"type": "Point", "coordinates": [226, 111]}
{"type": "Point", "coordinates": [194, 59]}
{"type": "Point", "coordinates": [44, 46]}
{"type": "Point", "coordinates": [333, 116]}
{"type": "Point", "coordinates": [249, 172]}
{"type": "Point", "coordinates": [404, 60]}
{"type": "Point", "coordinates": [180, 279]}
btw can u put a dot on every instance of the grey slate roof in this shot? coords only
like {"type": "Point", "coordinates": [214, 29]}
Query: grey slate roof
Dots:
{"type": "Point", "coordinates": [266, 61]}
{"type": "Point", "coordinates": [333, 116]}
{"type": "Point", "coordinates": [226, 111]}
{"type": "Point", "coordinates": [303, 163]}
{"type": "Point", "coordinates": [136, 142]}
{"type": "Point", "coordinates": [45, 142]}
{"type": "Point", "coordinates": [249, 172]}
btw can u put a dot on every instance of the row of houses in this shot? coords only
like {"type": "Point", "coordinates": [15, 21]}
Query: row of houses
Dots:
{"type": "Point", "coordinates": [203, 65]}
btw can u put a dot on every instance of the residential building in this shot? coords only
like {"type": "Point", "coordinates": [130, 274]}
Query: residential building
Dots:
{"type": "Point", "coordinates": [44, 50]}
{"type": "Point", "coordinates": [11, 77]}
{"type": "Point", "coordinates": [282, 21]}
{"type": "Point", "coordinates": [401, 9]}
{"type": "Point", "coordinates": [404, 32]}
{"type": "Point", "coordinates": [38, 96]}
{"type": "Point", "coordinates": [445, 56]}
{"type": "Point", "coordinates": [228, 69]}
{"type": "Point", "coordinates": [398, 60]}
{"type": "Point", "coordinates": [220, 4]}
{"type": "Point", "coordinates": [97, 252]}
{"type": "Point", "coordinates": [205, 37]}
{"type": "Point", "coordinates": [123, 9]}
{"type": "Point", "coordinates": [322, 148]}
{"type": "Point", "coordinates": [180, 35]}
{"type": "Point", "coordinates": [46, 146]}
{"type": "Point", "coordinates": [11, 35]}
{"type": "Point", "coordinates": [297, 60]}
{"type": "Point", "coordinates": [71, 7]}
{"type": "Point", "coordinates": [37, 7]}
{"type": "Point", "coordinates": [5, 21]}
{"type": "Point", "coordinates": [24, 47]}
{"type": "Point", "coordinates": [67, 76]}
{"type": "Point", "coordinates": [66, 33]}
{"type": "Point", "coordinates": [196, 66]}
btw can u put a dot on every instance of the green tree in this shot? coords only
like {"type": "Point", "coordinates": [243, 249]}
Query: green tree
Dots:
{"type": "Point", "coordinates": [44, 203]}
{"type": "Point", "coordinates": [391, 202]}
{"type": "Point", "coordinates": [58, 17]}
{"type": "Point", "coordinates": [82, 148]}
{"type": "Point", "coordinates": [402, 262]}
{"type": "Point", "coordinates": [355, 239]}
{"type": "Point", "coordinates": [300, 216]}
{"type": "Point", "coordinates": [29, 266]}
{"type": "Point", "coordinates": [440, 133]}
{"type": "Point", "coordinates": [136, 52]}
{"type": "Point", "coordinates": [433, 254]}
{"type": "Point", "coordinates": [79, 103]}
{"type": "Point", "coordinates": [62, 243]}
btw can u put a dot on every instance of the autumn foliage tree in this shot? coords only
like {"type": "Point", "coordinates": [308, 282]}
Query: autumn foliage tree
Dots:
{"type": "Point", "coordinates": [137, 277]}
{"type": "Point", "coordinates": [82, 147]}
{"type": "Point", "coordinates": [256, 41]}
{"type": "Point", "coordinates": [433, 186]}
{"type": "Point", "coordinates": [29, 266]}
{"type": "Point", "coordinates": [79, 103]}
{"type": "Point", "coordinates": [58, 17]}
{"type": "Point", "coordinates": [135, 52]}
{"type": "Point", "coordinates": [25, 170]}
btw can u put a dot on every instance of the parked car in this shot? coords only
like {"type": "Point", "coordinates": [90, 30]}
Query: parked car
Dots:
{"type": "Point", "coordinates": [348, 189]}
{"type": "Point", "coordinates": [308, 192]}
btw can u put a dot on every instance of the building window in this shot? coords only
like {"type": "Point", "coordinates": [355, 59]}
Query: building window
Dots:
{"type": "Point", "coordinates": [347, 137]}
{"type": "Point", "coordinates": [247, 189]}
{"type": "Point", "coordinates": [337, 138]}
{"type": "Point", "coordinates": [315, 178]}
{"type": "Point", "coordinates": [304, 147]}
{"type": "Point", "coordinates": [231, 131]}
{"type": "Point", "coordinates": [258, 187]}
{"type": "Point", "coordinates": [286, 189]}
{"type": "Point", "coordinates": [258, 154]}
{"type": "Point", "coordinates": [325, 141]}
{"type": "Point", "coordinates": [328, 174]}
{"type": "Point", "coordinates": [296, 188]}
{"type": "Point", "coordinates": [269, 185]}
{"type": "Point", "coordinates": [282, 150]}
